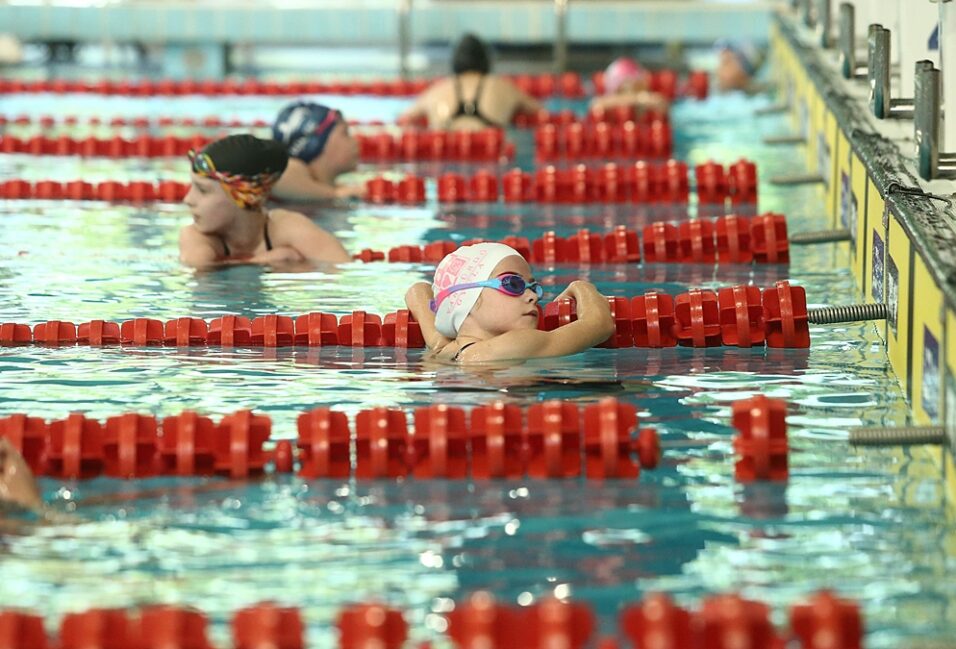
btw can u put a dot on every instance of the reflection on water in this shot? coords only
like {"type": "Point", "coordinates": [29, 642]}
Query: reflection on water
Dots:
{"type": "Point", "coordinates": [871, 523]}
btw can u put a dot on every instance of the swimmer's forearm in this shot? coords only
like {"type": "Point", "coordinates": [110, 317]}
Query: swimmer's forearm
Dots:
{"type": "Point", "coordinates": [417, 300]}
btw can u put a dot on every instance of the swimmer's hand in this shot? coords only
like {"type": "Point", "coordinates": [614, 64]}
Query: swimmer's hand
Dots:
{"type": "Point", "coordinates": [350, 191]}
{"type": "Point", "coordinates": [593, 326]}
{"type": "Point", "coordinates": [588, 301]}
{"type": "Point", "coordinates": [642, 100]}
{"type": "Point", "coordinates": [17, 484]}
{"type": "Point", "coordinates": [417, 294]}
{"type": "Point", "coordinates": [418, 298]}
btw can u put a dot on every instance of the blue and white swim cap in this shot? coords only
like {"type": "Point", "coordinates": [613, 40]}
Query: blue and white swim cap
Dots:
{"type": "Point", "coordinates": [304, 127]}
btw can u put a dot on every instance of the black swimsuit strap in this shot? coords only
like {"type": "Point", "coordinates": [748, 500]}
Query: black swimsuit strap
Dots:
{"type": "Point", "coordinates": [478, 90]}
{"type": "Point", "coordinates": [470, 108]}
{"type": "Point", "coordinates": [457, 355]}
{"type": "Point", "coordinates": [225, 247]}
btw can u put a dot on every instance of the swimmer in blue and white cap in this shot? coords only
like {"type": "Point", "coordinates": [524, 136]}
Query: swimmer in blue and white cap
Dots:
{"type": "Point", "coordinates": [737, 64]}
{"type": "Point", "coordinates": [320, 150]}
{"type": "Point", "coordinates": [483, 306]}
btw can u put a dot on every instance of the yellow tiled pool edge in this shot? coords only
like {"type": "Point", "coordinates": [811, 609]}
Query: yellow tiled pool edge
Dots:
{"type": "Point", "coordinates": [888, 259]}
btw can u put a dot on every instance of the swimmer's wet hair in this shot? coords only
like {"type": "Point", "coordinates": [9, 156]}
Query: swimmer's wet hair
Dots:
{"type": "Point", "coordinates": [471, 55]}
{"type": "Point", "coordinates": [247, 155]}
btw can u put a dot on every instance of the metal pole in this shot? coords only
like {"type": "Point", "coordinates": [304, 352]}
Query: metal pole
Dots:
{"type": "Point", "coordinates": [847, 40]}
{"type": "Point", "coordinates": [404, 36]}
{"type": "Point", "coordinates": [919, 111]}
{"type": "Point", "coordinates": [927, 122]}
{"type": "Point", "coordinates": [878, 70]}
{"type": "Point", "coordinates": [806, 12]}
{"type": "Point", "coordinates": [561, 36]}
{"type": "Point", "coordinates": [824, 22]}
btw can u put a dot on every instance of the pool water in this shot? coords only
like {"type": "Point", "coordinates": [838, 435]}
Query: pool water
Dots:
{"type": "Point", "coordinates": [873, 524]}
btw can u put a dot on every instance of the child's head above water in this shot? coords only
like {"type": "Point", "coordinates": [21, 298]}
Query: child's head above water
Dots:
{"type": "Point", "coordinates": [737, 63]}
{"type": "Point", "coordinates": [237, 171]}
{"type": "Point", "coordinates": [624, 74]}
{"type": "Point", "coordinates": [312, 131]}
{"type": "Point", "coordinates": [484, 289]}
{"type": "Point", "coordinates": [470, 55]}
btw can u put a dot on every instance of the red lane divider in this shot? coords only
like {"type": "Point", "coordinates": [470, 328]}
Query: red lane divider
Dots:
{"type": "Point", "coordinates": [167, 87]}
{"type": "Point", "coordinates": [723, 621]}
{"type": "Point", "coordinates": [410, 146]}
{"type": "Point", "coordinates": [616, 115]}
{"type": "Point", "coordinates": [725, 240]}
{"type": "Point", "coordinates": [550, 440]}
{"type": "Point", "coordinates": [142, 122]}
{"type": "Point", "coordinates": [568, 84]}
{"type": "Point", "coordinates": [603, 140]}
{"type": "Point", "coordinates": [638, 183]}
{"type": "Point", "coordinates": [641, 182]}
{"type": "Point", "coordinates": [739, 316]}
{"type": "Point", "coordinates": [167, 191]}
{"type": "Point", "coordinates": [419, 145]}
{"type": "Point", "coordinates": [666, 82]}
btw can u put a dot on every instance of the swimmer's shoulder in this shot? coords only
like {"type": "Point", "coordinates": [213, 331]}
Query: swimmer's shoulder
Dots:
{"type": "Point", "coordinates": [282, 220]}
{"type": "Point", "coordinates": [291, 229]}
{"type": "Point", "coordinates": [196, 248]}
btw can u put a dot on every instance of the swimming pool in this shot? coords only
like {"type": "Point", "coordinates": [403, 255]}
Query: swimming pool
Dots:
{"type": "Point", "coordinates": [871, 523]}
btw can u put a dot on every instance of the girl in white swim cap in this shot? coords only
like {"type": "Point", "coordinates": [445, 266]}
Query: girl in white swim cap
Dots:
{"type": "Point", "coordinates": [483, 306]}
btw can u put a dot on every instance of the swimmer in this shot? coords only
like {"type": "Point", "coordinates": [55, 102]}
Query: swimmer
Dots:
{"type": "Point", "coordinates": [18, 487]}
{"type": "Point", "coordinates": [320, 150]}
{"type": "Point", "coordinates": [627, 83]}
{"type": "Point", "coordinates": [483, 307]}
{"type": "Point", "coordinates": [737, 64]}
{"type": "Point", "coordinates": [230, 181]}
{"type": "Point", "coordinates": [472, 98]}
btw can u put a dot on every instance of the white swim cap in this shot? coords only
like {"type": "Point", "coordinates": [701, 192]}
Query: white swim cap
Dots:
{"type": "Point", "coordinates": [467, 264]}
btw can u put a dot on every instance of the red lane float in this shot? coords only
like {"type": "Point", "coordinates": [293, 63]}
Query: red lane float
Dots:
{"type": "Point", "coordinates": [550, 440]}
{"type": "Point", "coordinates": [567, 84]}
{"type": "Point", "coordinates": [522, 120]}
{"type": "Point", "coordinates": [722, 621]}
{"type": "Point", "coordinates": [637, 183]}
{"type": "Point", "coordinates": [578, 140]}
{"type": "Point", "coordinates": [487, 145]}
{"type": "Point", "coordinates": [368, 626]}
{"type": "Point", "coordinates": [725, 239]}
{"type": "Point", "coordinates": [666, 82]}
{"type": "Point", "coordinates": [761, 445]}
{"type": "Point", "coordinates": [738, 316]}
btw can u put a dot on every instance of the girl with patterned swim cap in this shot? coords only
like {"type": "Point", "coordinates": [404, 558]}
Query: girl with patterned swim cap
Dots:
{"type": "Point", "coordinates": [627, 83]}
{"type": "Point", "coordinates": [483, 306]}
{"type": "Point", "coordinates": [231, 179]}
{"type": "Point", "coordinates": [320, 150]}
{"type": "Point", "coordinates": [472, 97]}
